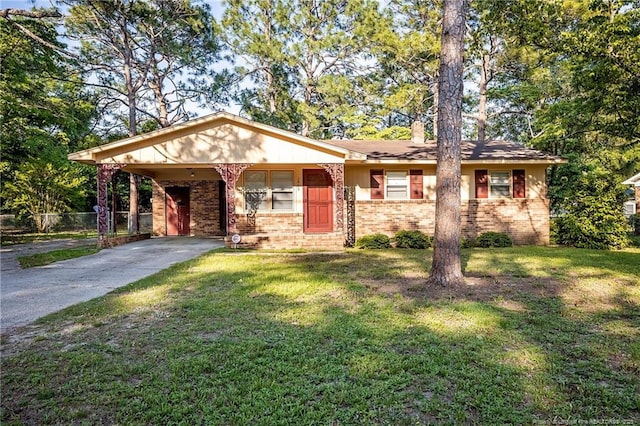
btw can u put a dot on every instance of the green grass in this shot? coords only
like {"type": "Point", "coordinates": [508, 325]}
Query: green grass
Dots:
{"type": "Point", "coordinates": [11, 239]}
{"type": "Point", "coordinates": [40, 259]}
{"type": "Point", "coordinates": [538, 335]}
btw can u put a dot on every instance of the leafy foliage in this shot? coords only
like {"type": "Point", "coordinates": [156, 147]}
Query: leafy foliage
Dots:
{"type": "Point", "coordinates": [42, 187]}
{"type": "Point", "coordinates": [45, 113]}
{"type": "Point", "coordinates": [634, 222]}
{"type": "Point", "coordinates": [413, 239]}
{"type": "Point", "coordinates": [373, 241]}
{"type": "Point", "coordinates": [493, 239]}
{"type": "Point", "coordinates": [589, 208]}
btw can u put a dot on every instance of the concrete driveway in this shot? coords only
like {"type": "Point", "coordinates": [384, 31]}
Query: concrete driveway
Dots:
{"type": "Point", "coordinates": [28, 294]}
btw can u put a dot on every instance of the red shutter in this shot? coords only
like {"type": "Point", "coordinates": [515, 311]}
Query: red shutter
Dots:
{"type": "Point", "coordinates": [416, 184]}
{"type": "Point", "coordinates": [377, 184]}
{"type": "Point", "coordinates": [519, 184]}
{"type": "Point", "coordinates": [482, 184]}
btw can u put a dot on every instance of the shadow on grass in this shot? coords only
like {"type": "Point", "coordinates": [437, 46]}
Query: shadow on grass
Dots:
{"type": "Point", "coordinates": [309, 339]}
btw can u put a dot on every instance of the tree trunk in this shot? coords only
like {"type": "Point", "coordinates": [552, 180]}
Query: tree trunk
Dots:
{"type": "Point", "coordinates": [446, 266]}
{"type": "Point", "coordinates": [435, 110]}
{"type": "Point", "coordinates": [308, 96]}
{"type": "Point", "coordinates": [482, 105]}
{"type": "Point", "coordinates": [133, 223]}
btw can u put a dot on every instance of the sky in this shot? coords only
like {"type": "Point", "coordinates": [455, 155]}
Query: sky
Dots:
{"type": "Point", "coordinates": [216, 5]}
{"type": "Point", "coordinates": [217, 9]}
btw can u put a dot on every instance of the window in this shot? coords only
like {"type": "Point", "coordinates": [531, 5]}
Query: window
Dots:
{"type": "Point", "coordinates": [264, 190]}
{"type": "Point", "coordinates": [255, 190]}
{"type": "Point", "coordinates": [397, 185]}
{"type": "Point", "coordinates": [499, 184]}
{"type": "Point", "coordinates": [282, 190]}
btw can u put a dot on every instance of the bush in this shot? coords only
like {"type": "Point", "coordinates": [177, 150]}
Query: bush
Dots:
{"type": "Point", "coordinates": [598, 233]}
{"type": "Point", "coordinates": [589, 198]}
{"type": "Point", "coordinates": [467, 242]}
{"type": "Point", "coordinates": [493, 239]}
{"type": "Point", "coordinates": [373, 241]}
{"type": "Point", "coordinates": [412, 239]}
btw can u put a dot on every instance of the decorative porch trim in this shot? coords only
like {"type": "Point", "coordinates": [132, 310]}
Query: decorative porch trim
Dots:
{"type": "Point", "coordinates": [336, 171]}
{"type": "Point", "coordinates": [350, 195]}
{"type": "Point", "coordinates": [230, 173]}
{"type": "Point", "coordinates": [105, 173]}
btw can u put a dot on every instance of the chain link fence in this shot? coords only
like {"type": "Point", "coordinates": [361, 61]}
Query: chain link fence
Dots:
{"type": "Point", "coordinates": [82, 221]}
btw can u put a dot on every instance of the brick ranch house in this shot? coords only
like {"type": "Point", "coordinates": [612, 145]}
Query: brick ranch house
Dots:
{"type": "Point", "coordinates": [222, 175]}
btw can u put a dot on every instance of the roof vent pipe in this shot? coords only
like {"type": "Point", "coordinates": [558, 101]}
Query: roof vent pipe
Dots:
{"type": "Point", "coordinates": [417, 132]}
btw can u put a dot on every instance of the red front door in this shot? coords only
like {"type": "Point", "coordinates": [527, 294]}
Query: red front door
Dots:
{"type": "Point", "coordinates": [318, 201]}
{"type": "Point", "coordinates": [177, 207]}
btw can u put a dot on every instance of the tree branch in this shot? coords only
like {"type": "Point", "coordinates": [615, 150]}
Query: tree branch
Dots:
{"type": "Point", "coordinates": [35, 14]}
{"type": "Point", "coordinates": [39, 39]}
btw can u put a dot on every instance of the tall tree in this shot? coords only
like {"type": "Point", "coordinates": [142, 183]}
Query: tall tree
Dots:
{"type": "Point", "coordinates": [151, 56]}
{"type": "Point", "coordinates": [446, 267]}
{"type": "Point", "coordinates": [573, 84]}
{"type": "Point", "coordinates": [407, 49]}
{"type": "Point", "coordinates": [253, 32]}
{"type": "Point", "coordinates": [303, 53]}
{"type": "Point", "coordinates": [44, 115]}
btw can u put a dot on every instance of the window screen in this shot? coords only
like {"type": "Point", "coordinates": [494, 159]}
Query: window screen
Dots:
{"type": "Point", "coordinates": [397, 185]}
{"type": "Point", "coordinates": [255, 190]}
{"type": "Point", "coordinates": [282, 190]}
{"type": "Point", "coordinates": [499, 184]}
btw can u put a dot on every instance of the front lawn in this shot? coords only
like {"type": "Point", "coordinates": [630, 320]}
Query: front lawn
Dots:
{"type": "Point", "coordinates": [40, 259]}
{"type": "Point", "coordinates": [9, 239]}
{"type": "Point", "coordinates": [538, 335]}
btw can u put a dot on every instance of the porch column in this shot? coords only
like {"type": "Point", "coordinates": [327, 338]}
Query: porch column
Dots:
{"type": "Point", "coordinates": [336, 171]}
{"type": "Point", "coordinates": [105, 173]}
{"type": "Point", "coordinates": [230, 172]}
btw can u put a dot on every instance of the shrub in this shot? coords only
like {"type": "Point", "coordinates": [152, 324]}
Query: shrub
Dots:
{"type": "Point", "coordinates": [467, 242]}
{"type": "Point", "coordinates": [494, 239]}
{"type": "Point", "coordinates": [589, 198]}
{"type": "Point", "coordinates": [412, 239]}
{"type": "Point", "coordinates": [598, 233]}
{"type": "Point", "coordinates": [373, 241]}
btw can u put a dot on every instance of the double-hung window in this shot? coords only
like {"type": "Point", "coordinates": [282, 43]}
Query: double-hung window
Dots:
{"type": "Point", "coordinates": [268, 190]}
{"type": "Point", "coordinates": [282, 190]}
{"type": "Point", "coordinates": [255, 190]}
{"type": "Point", "coordinates": [501, 183]}
{"type": "Point", "coordinates": [396, 185]}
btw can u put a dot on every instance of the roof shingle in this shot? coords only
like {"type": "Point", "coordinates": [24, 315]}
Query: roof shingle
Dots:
{"type": "Point", "coordinates": [471, 150]}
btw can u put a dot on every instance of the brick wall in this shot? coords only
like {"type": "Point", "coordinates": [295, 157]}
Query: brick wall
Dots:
{"type": "Point", "coordinates": [637, 188]}
{"type": "Point", "coordinates": [525, 220]}
{"type": "Point", "coordinates": [270, 223]}
{"type": "Point", "coordinates": [283, 231]}
{"type": "Point", "coordinates": [203, 205]}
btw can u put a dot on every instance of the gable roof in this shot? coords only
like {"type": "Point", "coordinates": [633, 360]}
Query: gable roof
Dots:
{"type": "Point", "coordinates": [471, 151]}
{"type": "Point", "coordinates": [224, 137]}
{"type": "Point", "coordinates": [633, 180]}
{"type": "Point", "coordinates": [198, 126]}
